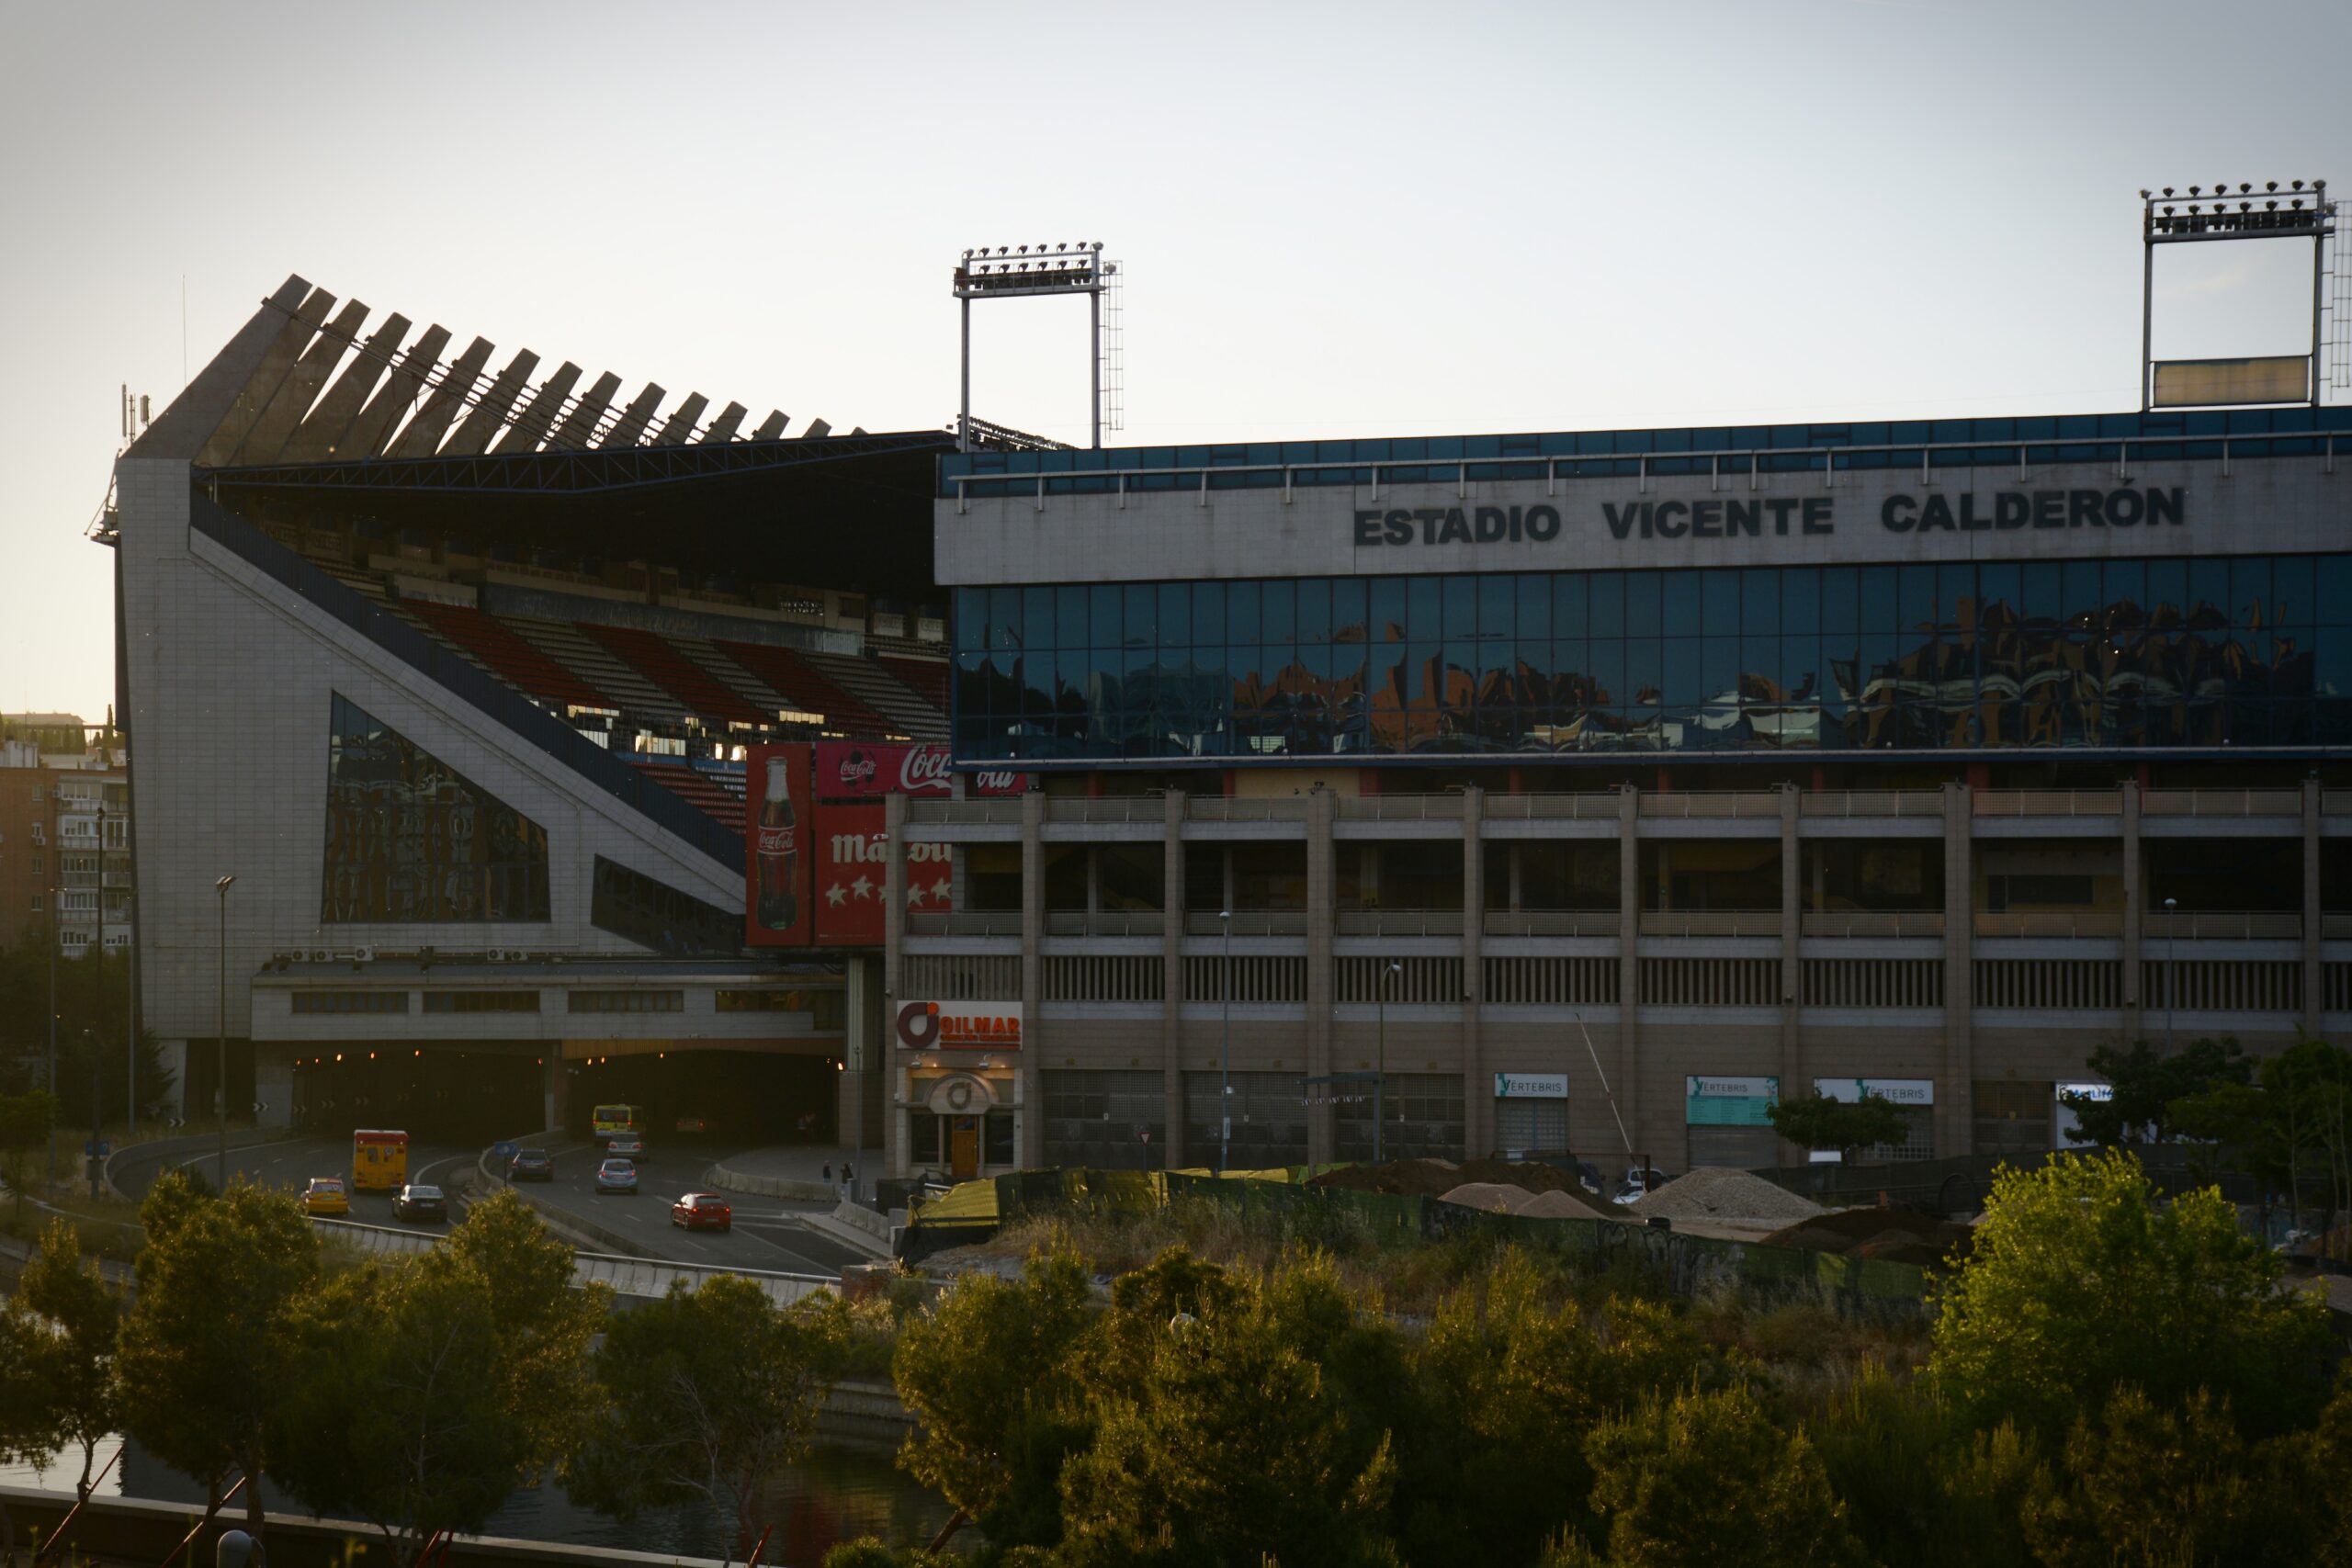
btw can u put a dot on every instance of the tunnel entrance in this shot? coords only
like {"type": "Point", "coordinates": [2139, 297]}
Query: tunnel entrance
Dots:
{"type": "Point", "coordinates": [437, 1094]}
{"type": "Point", "coordinates": [736, 1097]}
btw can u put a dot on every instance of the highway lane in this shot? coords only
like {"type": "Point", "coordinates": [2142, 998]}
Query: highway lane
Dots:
{"type": "Point", "coordinates": [768, 1233]}
{"type": "Point", "coordinates": [289, 1165]}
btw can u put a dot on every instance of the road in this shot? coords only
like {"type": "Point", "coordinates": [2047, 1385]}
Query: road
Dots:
{"type": "Point", "coordinates": [768, 1234]}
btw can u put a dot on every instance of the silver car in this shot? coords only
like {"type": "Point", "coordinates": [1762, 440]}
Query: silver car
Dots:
{"type": "Point", "coordinates": [616, 1176]}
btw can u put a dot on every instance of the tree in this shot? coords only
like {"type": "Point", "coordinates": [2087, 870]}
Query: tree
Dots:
{"type": "Point", "coordinates": [2145, 1083]}
{"type": "Point", "coordinates": [204, 1349]}
{"type": "Point", "coordinates": [989, 1375]}
{"type": "Point", "coordinates": [83, 1315]}
{"type": "Point", "coordinates": [1708, 1478]}
{"type": "Point", "coordinates": [706, 1393]}
{"type": "Point", "coordinates": [1817, 1122]}
{"type": "Point", "coordinates": [545, 1323]}
{"type": "Point", "coordinates": [2155, 1488]}
{"type": "Point", "coordinates": [25, 1121]}
{"type": "Point", "coordinates": [2080, 1280]}
{"type": "Point", "coordinates": [32, 1422]}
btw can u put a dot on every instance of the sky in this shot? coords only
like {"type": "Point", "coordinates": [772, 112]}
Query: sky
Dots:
{"type": "Point", "coordinates": [1335, 219]}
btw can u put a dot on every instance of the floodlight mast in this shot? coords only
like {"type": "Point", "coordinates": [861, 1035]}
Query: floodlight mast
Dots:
{"type": "Point", "coordinates": [2302, 211]}
{"type": "Point", "coordinates": [1013, 272]}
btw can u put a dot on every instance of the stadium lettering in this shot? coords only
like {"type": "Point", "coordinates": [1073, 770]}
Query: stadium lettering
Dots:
{"type": "Point", "coordinates": [1720, 519]}
{"type": "Point", "coordinates": [1969, 512]}
{"type": "Point", "coordinates": [1458, 525]}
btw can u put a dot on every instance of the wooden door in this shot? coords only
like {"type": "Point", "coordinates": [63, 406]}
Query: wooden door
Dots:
{"type": "Point", "coordinates": [963, 1148]}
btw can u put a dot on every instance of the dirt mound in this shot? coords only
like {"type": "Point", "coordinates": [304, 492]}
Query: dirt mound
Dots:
{"type": "Point", "coordinates": [1420, 1178]}
{"type": "Point", "coordinates": [1562, 1203]}
{"type": "Point", "coordinates": [1901, 1234]}
{"type": "Point", "coordinates": [1713, 1193]}
{"type": "Point", "coordinates": [1896, 1247]}
{"type": "Point", "coordinates": [1492, 1196]}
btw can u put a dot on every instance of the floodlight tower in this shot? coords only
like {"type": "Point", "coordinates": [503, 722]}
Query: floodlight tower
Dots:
{"type": "Point", "coordinates": [1011, 271]}
{"type": "Point", "coordinates": [2302, 211]}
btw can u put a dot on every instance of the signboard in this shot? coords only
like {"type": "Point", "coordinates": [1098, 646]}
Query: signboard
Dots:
{"type": "Point", "coordinates": [1712, 1101]}
{"type": "Point", "coordinates": [1899, 1091]}
{"type": "Point", "coordinates": [775, 846]}
{"type": "Point", "coordinates": [503, 1149]}
{"type": "Point", "coordinates": [851, 864]}
{"type": "Point", "coordinates": [2066, 1125]}
{"type": "Point", "coordinates": [959, 1026]}
{"type": "Point", "coordinates": [2195, 383]}
{"type": "Point", "coordinates": [1530, 1085]}
{"type": "Point", "coordinates": [862, 769]}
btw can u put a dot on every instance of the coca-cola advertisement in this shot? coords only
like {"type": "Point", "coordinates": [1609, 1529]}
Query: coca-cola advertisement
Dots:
{"type": "Point", "coordinates": [856, 769]}
{"type": "Point", "coordinates": [777, 811]}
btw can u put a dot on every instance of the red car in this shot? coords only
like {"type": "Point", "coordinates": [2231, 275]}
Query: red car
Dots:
{"type": "Point", "coordinates": [703, 1211]}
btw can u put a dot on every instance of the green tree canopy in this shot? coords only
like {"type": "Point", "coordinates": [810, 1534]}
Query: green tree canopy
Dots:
{"type": "Point", "coordinates": [2081, 1280]}
{"type": "Point", "coordinates": [1817, 1122]}
{"type": "Point", "coordinates": [25, 1121]}
{"type": "Point", "coordinates": [2146, 1082]}
{"type": "Point", "coordinates": [83, 1314]}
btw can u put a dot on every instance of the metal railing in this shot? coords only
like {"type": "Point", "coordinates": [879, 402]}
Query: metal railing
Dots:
{"type": "Point", "coordinates": [1551, 922]}
{"type": "Point", "coordinates": [2222, 803]}
{"type": "Point", "coordinates": [965, 812]}
{"type": "Point", "coordinates": [1712, 803]}
{"type": "Point", "coordinates": [2049, 923]}
{"type": "Point", "coordinates": [963, 923]}
{"type": "Point", "coordinates": [2335, 803]}
{"type": "Point", "coordinates": [2335, 928]}
{"type": "Point", "coordinates": [1103, 808]}
{"type": "Point", "coordinates": [2222, 925]}
{"type": "Point", "coordinates": [2047, 803]}
{"type": "Point", "coordinates": [1245, 808]}
{"type": "Point", "coordinates": [1872, 803]}
{"type": "Point", "coordinates": [1872, 922]}
{"type": "Point", "coordinates": [1247, 922]}
{"type": "Point", "coordinates": [1399, 922]}
{"type": "Point", "coordinates": [1105, 922]}
{"type": "Point", "coordinates": [1401, 808]}
{"type": "Point", "coordinates": [1710, 922]}
{"type": "Point", "coordinates": [1583, 807]}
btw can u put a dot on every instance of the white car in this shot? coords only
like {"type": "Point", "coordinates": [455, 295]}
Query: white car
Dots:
{"type": "Point", "coordinates": [1639, 1184]}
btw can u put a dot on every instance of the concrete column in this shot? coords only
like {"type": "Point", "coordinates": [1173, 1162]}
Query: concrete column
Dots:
{"type": "Point", "coordinates": [1792, 1079]}
{"type": "Point", "coordinates": [1477, 1089]}
{"type": "Point", "coordinates": [863, 1054]}
{"type": "Point", "coordinates": [555, 1088]}
{"type": "Point", "coordinates": [1321, 895]}
{"type": "Point", "coordinates": [1956, 1085]}
{"type": "Point", "coordinates": [894, 944]}
{"type": "Point", "coordinates": [1627, 1073]}
{"type": "Point", "coordinates": [1172, 961]}
{"type": "Point", "coordinates": [274, 1086]}
{"type": "Point", "coordinates": [2314, 973]}
{"type": "Point", "coordinates": [2134, 900]}
{"type": "Point", "coordinates": [1029, 1139]}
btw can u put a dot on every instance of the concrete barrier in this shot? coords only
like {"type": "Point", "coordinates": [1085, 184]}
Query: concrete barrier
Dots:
{"type": "Point", "coordinates": [728, 1179]}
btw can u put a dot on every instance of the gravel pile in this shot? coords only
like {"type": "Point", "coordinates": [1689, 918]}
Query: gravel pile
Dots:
{"type": "Point", "coordinates": [1716, 1193]}
{"type": "Point", "coordinates": [1491, 1196]}
{"type": "Point", "coordinates": [1563, 1205]}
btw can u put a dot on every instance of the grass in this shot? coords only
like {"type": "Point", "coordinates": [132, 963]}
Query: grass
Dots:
{"type": "Point", "coordinates": [107, 1227]}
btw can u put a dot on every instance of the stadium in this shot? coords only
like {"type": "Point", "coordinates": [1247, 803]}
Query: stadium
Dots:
{"type": "Point", "coordinates": [1582, 792]}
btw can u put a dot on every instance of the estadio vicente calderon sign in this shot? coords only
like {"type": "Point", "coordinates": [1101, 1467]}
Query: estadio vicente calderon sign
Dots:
{"type": "Point", "coordinates": [960, 1026]}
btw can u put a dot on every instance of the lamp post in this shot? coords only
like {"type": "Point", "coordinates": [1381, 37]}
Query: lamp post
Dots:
{"type": "Point", "coordinates": [1224, 1053]}
{"type": "Point", "coordinates": [49, 1078]}
{"type": "Point", "coordinates": [221, 1046]}
{"type": "Point", "coordinates": [1380, 1034]}
{"type": "Point", "coordinates": [2171, 936]}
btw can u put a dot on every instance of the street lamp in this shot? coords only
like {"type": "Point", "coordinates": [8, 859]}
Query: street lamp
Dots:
{"type": "Point", "coordinates": [1224, 1055]}
{"type": "Point", "coordinates": [221, 1046]}
{"type": "Point", "coordinates": [2171, 936]}
{"type": "Point", "coordinates": [1380, 1078]}
{"type": "Point", "coordinates": [48, 1079]}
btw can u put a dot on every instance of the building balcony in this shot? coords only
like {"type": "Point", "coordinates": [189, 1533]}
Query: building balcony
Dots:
{"type": "Point", "coordinates": [2059, 924]}
{"type": "Point", "coordinates": [1000, 811]}
{"type": "Point", "coordinates": [1147, 808]}
{"type": "Point", "coordinates": [1400, 807]}
{"type": "Point", "coordinates": [2222, 803]}
{"type": "Point", "coordinates": [2043, 803]}
{"type": "Point", "coordinates": [964, 922]}
{"type": "Point", "coordinates": [1586, 806]}
{"type": "Point", "coordinates": [1712, 804]}
{"type": "Point", "coordinates": [1872, 803]}
{"type": "Point", "coordinates": [1865, 923]}
{"type": "Point", "coordinates": [1105, 922]}
{"type": "Point", "coordinates": [1245, 808]}
{"type": "Point", "coordinates": [1247, 922]}
{"type": "Point", "coordinates": [2222, 925]}
{"type": "Point", "coordinates": [1710, 922]}
{"type": "Point", "coordinates": [1400, 922]}
{"type": "Point", "coordinates": [1552, 922]}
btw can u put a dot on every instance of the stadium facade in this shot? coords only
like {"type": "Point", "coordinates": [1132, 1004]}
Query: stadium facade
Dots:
{"type": "Point", "coordinates": [1139, 808]}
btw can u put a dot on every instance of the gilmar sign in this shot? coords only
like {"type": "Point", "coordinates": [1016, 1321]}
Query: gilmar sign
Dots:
{"type": "Point", "coordinates": [959, 1026]}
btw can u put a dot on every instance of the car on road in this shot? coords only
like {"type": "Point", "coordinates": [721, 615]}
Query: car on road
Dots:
{"type": "Point", "coordinates": [1639, 1183]}
{"type": "Point", "coordinates": [703, 1211]}
{"type": "Point", "coordinates": [616, 1176]}
{"type": "Point", "coordinates": [326, 1195]}
{"type": "Point", "coordinates": [416, 1202]}
{"type": "Point", "coordinates": [625, 1146]}
{"type": "Point", "coordinates": [531, 1165]}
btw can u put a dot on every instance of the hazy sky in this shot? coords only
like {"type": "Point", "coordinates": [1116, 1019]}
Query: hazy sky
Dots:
{"type": "Point", "coordinates": [1337, 220]}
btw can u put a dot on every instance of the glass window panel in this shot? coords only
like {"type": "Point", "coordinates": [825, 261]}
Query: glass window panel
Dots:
{"type": "Point", "coordinates": [1461, 594]}
{"type": "Point", "coordinates": [1347, 609]}
{"type": "Point", "coordinates": [1209, 614]}
{"type": "Point", "coordinates": [1313, 610]}
{"type": "Point", "coordinates": [1609, 684]}
{"type": "Point", "coordinates": [2123, 586]}
{"type": "Point", "coordinates": [1070, 617]}
{"type": "Point", "coordinates": [2045, 597]}
{"type": "Point", "coordinates": [1759, 601]}
{"type": "Point", "coordinates": [1680, 675]}
{"type": "Point", "coordinates": [1386, 617]}
{"type": "Point", "coordinates": [971, 619]}
{"type": "Point", "coordinates": [2081, 591]}
{"type": "Point", "coordinates": [1496, 599]}
{"type": "Point", "coordinates": [1103, 614]}
{"type": "Point", "coordinates": [1141, 605]}
{"type": "Point", "coordinates": [1801, 672]}
{"type": "Point", "coordinates": [2292, 588]}
{"type": "Point", "coordinates": [1880, 609]}
{"type": "Point", "coordinates": [2209, 591]}
{"type": "Point", "coordinates": [1997, 590]}
{"type": "Point", "coordinates": [646, 910]}
{"type": "Point", "coordinates": [1533, 615]}
{"type": "Point", "coordinates": [1175, 614]}
{"type": "Point", "coordinates": [1916, 608]}
{"type": "Point", "coordinates": [2250, 591]}
{"type": "Point", "coordinates": [1720, 602]}
{"type": "Point", "coordinates": [1606, 606]}
{"type": "Point", "coordinates": [1277, 611]}
{"type": "Point", "coordinates": [1759, 669]}
{"type": "Point", "coordinates": [1568, 603]}
{"type": "Point", "coordinates": [1683, 616]}
{"type": "Point", "coordinates": [1801, 599]}
{"type": "Point", "coordinates": [1955, 590]}
{"type": "Point", "coordinates": [1422, 621]}
{"type": "Point", "coordinates": [1004, 618]}
{"type": "Point", "coordinates": [1840, 586]}
{"type": "Point", "coordinates": [1645, 673]}
{"type": "Point", "coordinates": [1037, 618]}
{"type": "Point", "coordinates": [1718, 668]}
{"type": "Point", "coordinates": [1242, 621]}
{"type": "Point", "coordinates": [2167, 590]}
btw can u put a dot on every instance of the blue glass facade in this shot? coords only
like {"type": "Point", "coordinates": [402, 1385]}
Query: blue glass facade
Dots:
{"type": "Point", "coordinates": [2169, 652]}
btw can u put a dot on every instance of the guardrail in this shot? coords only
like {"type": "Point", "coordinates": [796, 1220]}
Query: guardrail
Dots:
{"type": "Point", "coordinates": [1586, 806]}
{"type": "Point", "coordinates": [2049, 923]}
{"type": "Point", "coordinates": [1872, 922]}
{"type": "Point", "coordinates": [2047, 803]}
{"type": "Point", "coordinates": [2335, 928]}
{"type": "Point", "coordinates": [1150, 808]}
{"type": "Point", "coordinates": [1551, 922]}
{"type": "Point", "coordinates": [1871, 803]}
{"type": "Point", "coordinates": [1712, 803]}
{"type": "Point", "coordinates": [1710, 922]}
{"type": "Point", "coordinates": [1401, 808]}
{"type": "Point", "coordinates": [963, 923]}
{"type": "Point", "coordinates": [1105, 922]}
{"type": "Point", "coordinates": [1245, 808]}
{"type": "Point", "coordinates": [1247, 922]}
{"type": "Point", "coordinates": [2222, 925]}
{"type": "Point", "coordinates": [1399, 922]}
{"type": "Point", "coordinates": [1000, 812]}
{"type": "Point", "coordinates": [2222, 803]}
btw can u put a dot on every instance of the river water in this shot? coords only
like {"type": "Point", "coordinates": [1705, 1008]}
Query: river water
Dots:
{"type": "Point", "coordinates": [832, 1496]}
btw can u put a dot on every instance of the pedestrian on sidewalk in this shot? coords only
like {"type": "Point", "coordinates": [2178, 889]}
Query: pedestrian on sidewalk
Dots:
{"type": "Point", "coordinates": [829, 1170]}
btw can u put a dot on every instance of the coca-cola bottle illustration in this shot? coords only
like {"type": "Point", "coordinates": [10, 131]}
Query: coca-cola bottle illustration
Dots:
{"type": "Point", "coordinates": [779, 851]}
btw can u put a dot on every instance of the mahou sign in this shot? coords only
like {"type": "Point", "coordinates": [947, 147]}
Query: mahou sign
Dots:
{"type": "Point", "coordinates": [852, 865]}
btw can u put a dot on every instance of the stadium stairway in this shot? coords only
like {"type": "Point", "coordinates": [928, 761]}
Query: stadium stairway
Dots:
{"type": "Point", "coordinates": [508, 656]}
{"type": "Point", "coordinates": [790, 674]}
{"type": "Point", "coordinates": [569, 647]}
{"type": "Point", "coordinates": [676, 673]}
{"type": "Point", "coordinates": [732, 675]}
{"type": "Point", "coordinates": [927, 678]}
{"type": "Point", "coordinates": [698, 789]}
{"type": "Point", "coordinates": [882, 693]}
